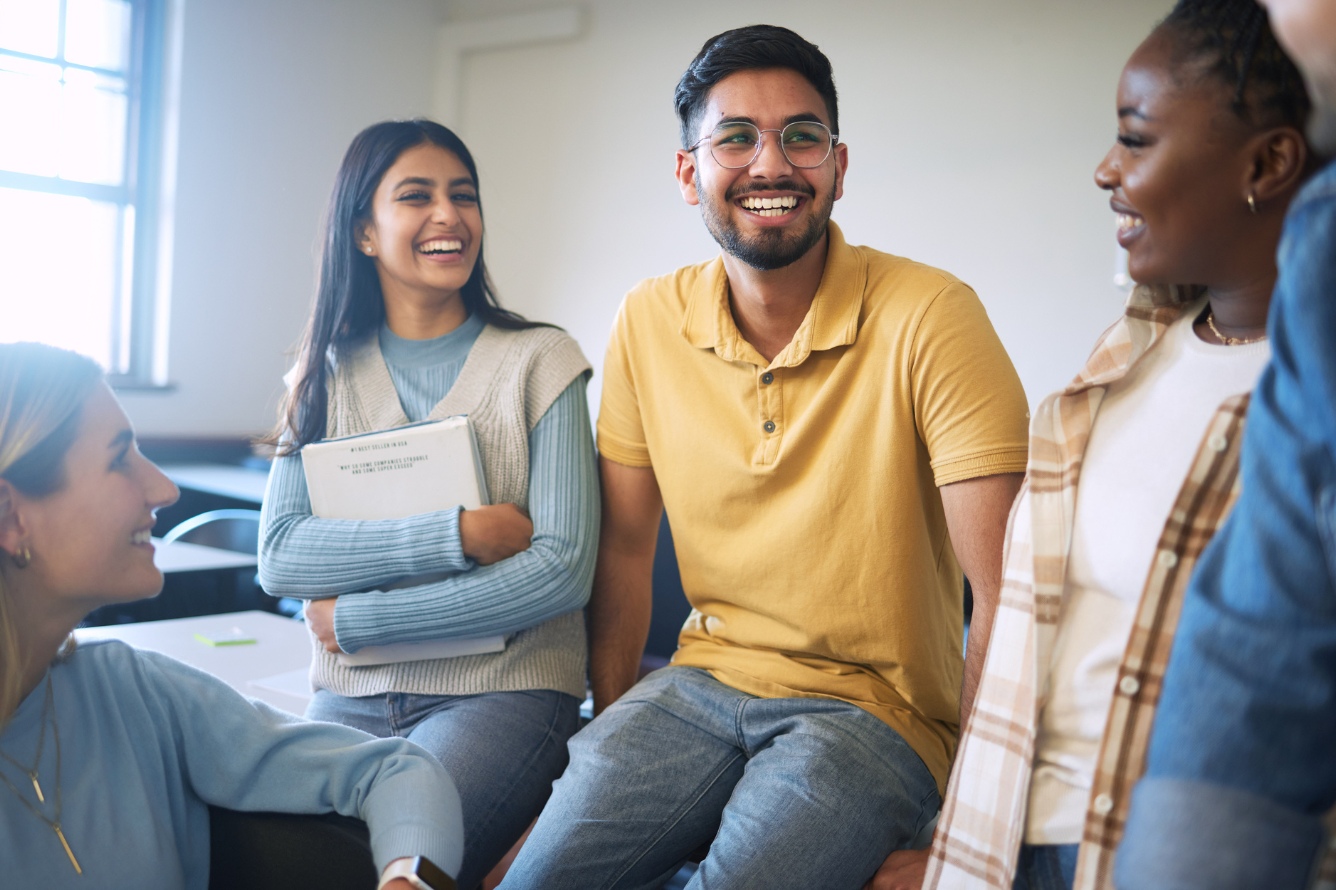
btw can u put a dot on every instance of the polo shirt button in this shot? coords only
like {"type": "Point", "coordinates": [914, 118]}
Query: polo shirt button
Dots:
{"type": "Point", "coordinates": [1103, 804]}
{"type": "Point", "coordinates": [767, 378]}
{"type": "Point", "coordinates": [1168, 559]}
{"type": "Point", "coordinates": [1217, 442]}
{"type": "Point", "coordinates": [1129, 685]}
{"type": "Point", "coordinates": [768, 426]}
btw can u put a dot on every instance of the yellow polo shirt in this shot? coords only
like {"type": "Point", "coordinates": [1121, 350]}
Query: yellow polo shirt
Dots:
{"type": "Point", "coordinates": [802, 492]}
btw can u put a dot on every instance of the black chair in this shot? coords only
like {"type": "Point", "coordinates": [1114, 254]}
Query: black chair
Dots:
{"type": "Point", "coordinates": [669, 608]}
{"type": "Point", "coordinates": [269, 851]}
{"type": "Point", "coordinates": [282, 851]}
{"type": "Point", "coordinates": [235, 530]}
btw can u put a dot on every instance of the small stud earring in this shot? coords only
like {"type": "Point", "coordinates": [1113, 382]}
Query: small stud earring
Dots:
{"type": "Point", "coordinates": [22, 558]}
{"type": "Point", "coordinates": [1252, 203]}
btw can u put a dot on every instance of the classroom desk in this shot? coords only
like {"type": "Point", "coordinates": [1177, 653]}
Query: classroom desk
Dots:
{"type": "Point", "coordinates": [235, 483]}
{"type": "Point", "coordinates": [197, 580]}
{"type": "Point", "coordinates": [272, 669]}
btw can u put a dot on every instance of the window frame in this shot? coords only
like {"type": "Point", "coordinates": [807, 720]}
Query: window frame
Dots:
{"type": "Point", "coordinates": [139, 316]}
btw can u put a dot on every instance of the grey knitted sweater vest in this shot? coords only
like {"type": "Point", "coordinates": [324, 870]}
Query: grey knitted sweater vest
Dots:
{"type": "Point", "coordinates": [508, 381]}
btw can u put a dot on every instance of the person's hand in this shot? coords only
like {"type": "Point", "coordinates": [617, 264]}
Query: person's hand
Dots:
{"type": "Point", "coordinates": [493, 533]}
{"type": "Point", "coordinates": [320, 619]}
{"type": "Point", "coordinates": [397, 883]}
{"type": "Point", "coordinates": [902, 870]}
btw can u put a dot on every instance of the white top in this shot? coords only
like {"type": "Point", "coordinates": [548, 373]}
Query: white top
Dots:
{"type": "Point", "coordinates": [1140, 451]}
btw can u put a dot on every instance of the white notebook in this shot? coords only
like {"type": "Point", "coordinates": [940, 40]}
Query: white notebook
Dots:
{"type": "Point", "coordinates": [390, 474]}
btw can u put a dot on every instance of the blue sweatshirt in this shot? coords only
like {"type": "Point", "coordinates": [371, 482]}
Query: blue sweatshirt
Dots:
{"type": "Point", "coordinates": [146, 743]}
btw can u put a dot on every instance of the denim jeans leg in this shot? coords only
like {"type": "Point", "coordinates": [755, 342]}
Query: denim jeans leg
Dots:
{"type": "Point", "coordinates": [829, 791]}
{"type": "Point", "coordinates": [646, 784]}
{"type": "Point", "coordinates": [1046, 867]}
{"type": "Point", "coordinates": [503, 749]}
{"type": "Point", "coordinates": [369, 713]}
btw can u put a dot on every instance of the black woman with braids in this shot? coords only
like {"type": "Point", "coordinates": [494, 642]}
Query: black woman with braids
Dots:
{"type": "Point", "coordinates": [1133, 466]}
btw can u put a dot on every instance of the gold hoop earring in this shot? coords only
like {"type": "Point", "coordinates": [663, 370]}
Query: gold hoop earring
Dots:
{"type": "Point", "coordinates": [22, 558]}
{"type": "Point", "coordinates": [1252, 203]}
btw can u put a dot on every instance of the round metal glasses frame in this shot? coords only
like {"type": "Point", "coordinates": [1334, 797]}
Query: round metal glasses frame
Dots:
{"type": "Point", "coordinates": [730, 159]}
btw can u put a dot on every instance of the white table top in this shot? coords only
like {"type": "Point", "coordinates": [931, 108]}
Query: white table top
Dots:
{"type": "Point", "coordinates": [179, 556]}
{"type": "Point", "coordinates": [272, 669]}
{"type": "Point", "coordinates": [241, 483]}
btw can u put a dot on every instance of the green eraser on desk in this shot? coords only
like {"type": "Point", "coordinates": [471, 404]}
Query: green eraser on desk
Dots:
{"type": "Point", "coordinates": [234, 637]}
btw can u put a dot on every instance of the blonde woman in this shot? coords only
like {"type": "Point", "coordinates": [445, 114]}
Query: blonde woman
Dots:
{"type": "Point", "coordinates": [109, 757]}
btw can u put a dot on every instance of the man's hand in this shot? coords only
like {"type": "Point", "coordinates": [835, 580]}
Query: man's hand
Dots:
{"type": "Point", "coordinates": [902, 870]}
{"type": "Point", "coordinates": [495, 532]}
{"type": "Point", "coordinates": [320, 619]}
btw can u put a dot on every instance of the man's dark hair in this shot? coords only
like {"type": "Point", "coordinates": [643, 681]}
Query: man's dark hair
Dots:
{"type": "Point", "coordinates": [1234, 41]}
{"type": "Point", "coordinates": [745, 49]}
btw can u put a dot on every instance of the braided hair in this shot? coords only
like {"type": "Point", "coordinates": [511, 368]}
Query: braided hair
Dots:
{"type": "Point", "coordinates": [1233, 39]}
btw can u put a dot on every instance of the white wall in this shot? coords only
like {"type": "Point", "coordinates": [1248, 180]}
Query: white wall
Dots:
{"type": "Point", "coordinates": [973, 127]}
{"type": "Point", "coordinates": [272, 92]}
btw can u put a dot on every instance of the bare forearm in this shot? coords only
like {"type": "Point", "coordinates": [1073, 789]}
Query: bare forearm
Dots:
{"type": "Point", "coordinates": [618, 622]}
{"type": "Point", "coordinates": [619, 607]}
{"type": "Point", "coordinates": [976, 648]}
{"type": "Point", "coordinates": [976, 518]}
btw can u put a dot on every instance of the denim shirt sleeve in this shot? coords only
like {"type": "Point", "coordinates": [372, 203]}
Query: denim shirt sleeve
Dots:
{"type": "Point", "coordinates": [1241, 765]}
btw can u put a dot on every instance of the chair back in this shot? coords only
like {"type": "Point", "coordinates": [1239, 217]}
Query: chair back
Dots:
{"type": "Point", "coordinates": [279, 851]}
{"type": "Point", "coordinates": [235, 530]}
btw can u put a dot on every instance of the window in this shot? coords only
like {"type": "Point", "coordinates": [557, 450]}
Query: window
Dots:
{"type": "Point", "coordinates": [81, 151]}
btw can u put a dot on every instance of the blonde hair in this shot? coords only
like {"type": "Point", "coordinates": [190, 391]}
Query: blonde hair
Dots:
{"type": "Point", "coordinates": [42, 393]}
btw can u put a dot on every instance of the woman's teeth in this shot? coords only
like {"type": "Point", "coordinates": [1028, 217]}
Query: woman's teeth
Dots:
{"type": "Point", "coordinates": [770, 206]}
{"type": "Point", "coordinates": [141, 537]}
{"type": "Point", "coordinates": [1128, 221]}
{"type": "Point", "coordinates": [441, 246]}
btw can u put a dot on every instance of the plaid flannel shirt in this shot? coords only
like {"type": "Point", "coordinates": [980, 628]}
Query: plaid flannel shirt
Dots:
{"type": "Point", "coordinates": [983, 820]}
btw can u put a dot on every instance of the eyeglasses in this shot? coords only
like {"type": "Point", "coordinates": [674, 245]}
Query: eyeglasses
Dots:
{"type": "Point", "coordinates": [736, 144]}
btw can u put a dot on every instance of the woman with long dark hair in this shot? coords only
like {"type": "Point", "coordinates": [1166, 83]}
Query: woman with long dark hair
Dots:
{"type": "Point", "coordinates": [406, 328]}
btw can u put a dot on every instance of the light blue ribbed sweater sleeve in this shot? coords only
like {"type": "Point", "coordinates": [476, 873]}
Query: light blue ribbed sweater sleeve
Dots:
{"type": "Point", "coordinates": [311, 558]}
{"type": "Point", "coordinates": [549, 579]}
{"type": "Point", "coordinates": [307, 557]}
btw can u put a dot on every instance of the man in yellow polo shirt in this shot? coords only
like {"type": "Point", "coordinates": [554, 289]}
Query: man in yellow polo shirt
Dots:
{"type": "Point", "coordinates": [835, 432]}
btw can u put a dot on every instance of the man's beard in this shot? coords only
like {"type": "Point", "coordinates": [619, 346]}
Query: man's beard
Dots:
{"type": "Point", "coordinates": [770, 248]}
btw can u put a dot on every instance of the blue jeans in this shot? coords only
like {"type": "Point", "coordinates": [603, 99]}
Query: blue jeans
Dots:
{"type": "Point", "coordinates": [1046, 867]}
{"type": "Point", "coordinates": [503, 749]}
{"type": "Point", "coordinates": [794, 792]}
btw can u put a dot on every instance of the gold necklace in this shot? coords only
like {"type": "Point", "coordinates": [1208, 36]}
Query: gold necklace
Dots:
{"type": "Point", "coordinates": [1228, 341]}
{"type": "Point", "coordinates": [41, 744]}
{"type": "Point", "coordinates": [53, 824]}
